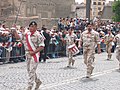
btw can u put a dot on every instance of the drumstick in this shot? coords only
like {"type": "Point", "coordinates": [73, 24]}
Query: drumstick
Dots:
{"type": "Point", "coordinates": [18, 12]}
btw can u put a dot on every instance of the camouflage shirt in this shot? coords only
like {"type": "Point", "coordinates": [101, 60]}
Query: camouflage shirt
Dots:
{"type": "Point", "coordinates": [117, 38]}
{"type": "Point", "coordinates": [107, 37]}
{"type": "Point", "coordinates": [37, 40]}
{"type": "Point", "coordinates": [90, 40]}
{"type": "Point", "coordinates": [70, 39]}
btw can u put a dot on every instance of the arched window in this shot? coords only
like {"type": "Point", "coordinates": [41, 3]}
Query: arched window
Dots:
{"type": "Point", "coordinates": [28, 11]}
{"type": "Point", "coordinates": [34, 10]}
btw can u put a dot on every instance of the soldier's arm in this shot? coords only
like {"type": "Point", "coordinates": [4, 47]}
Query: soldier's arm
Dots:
{"type": "Point", "coordinates": [111, 39]}
{"type": "Point", "coordinates": [16, 35]}
{"type": "Point", "coordinates": [115, 39]}
{"type": "Point", "coordinates": [98, 43]}
{"type": "Point", "coordinates": [75, 38]}
{"type": "Point", "coordinates": [80, 41]}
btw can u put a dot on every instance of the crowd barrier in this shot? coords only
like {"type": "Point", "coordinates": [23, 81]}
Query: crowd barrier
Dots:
{"type": "Point", "coordinates": [12, 52]}
{"type": "Point", "coordinates": [15, 52]}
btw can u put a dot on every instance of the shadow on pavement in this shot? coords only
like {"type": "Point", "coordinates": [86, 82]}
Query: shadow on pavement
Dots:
{"type": "Point", "coordinates": [66, 68]}
{"type": "Point", "coordinates": [84, 79]}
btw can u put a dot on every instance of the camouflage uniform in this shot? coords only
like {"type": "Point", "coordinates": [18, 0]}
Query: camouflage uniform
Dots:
{"type": "Point", "coordinates": [37, 40]}
{"type": "Point", "coordinates": [70, 40]}
{"type": "Point", "coordinates": [117, 38]}
{"type": "Point", "coordinates": [89, 43]}
{"type": "Point", "coordinates": [108, 44]}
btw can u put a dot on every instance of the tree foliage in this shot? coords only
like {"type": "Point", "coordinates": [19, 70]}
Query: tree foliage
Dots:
{"type": "Point", "coordinates": [116, 10]}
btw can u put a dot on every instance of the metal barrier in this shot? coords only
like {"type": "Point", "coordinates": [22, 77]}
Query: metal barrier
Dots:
{"type": "Point", "coordinates": [59, 50]}
{"type": "Point", "coordinates": [56, 50]}
{"type": "Point", "coordinates": [12, 53]}
{"type": "Point", "coordinates": [17, 53]}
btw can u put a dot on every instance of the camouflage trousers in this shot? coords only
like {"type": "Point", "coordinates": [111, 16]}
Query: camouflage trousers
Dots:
{"type": "Point", "coordinates": [108, 49]}
{"type": "Point", "coordinates": [88, 55]}
{"type": "Point", "coordinates": [70, 56]}
{"type": "Point", "coordinates": [31, 69]}
{"type": "Point", "coordinates": [118, 55]}
{"type": "Point", "coordinates": [71, 59]}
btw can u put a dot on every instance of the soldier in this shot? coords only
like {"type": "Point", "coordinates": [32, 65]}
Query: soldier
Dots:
{"type": "Point", "coordinates": [70, 40]}
{"type": "Point", "coordinates": [89, 39]}
{"type": "Point", "coordinates": [34, 43]}
{"type": "Point", "coordinates": [108, 38]}
{"type": "Point", "coordinates": [117, 39]}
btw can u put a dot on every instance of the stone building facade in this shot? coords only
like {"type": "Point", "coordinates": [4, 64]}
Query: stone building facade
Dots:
{"type": "Point", "coordinates": [47, 8]}
{"type": "Point", "coordinates": [37, 9]}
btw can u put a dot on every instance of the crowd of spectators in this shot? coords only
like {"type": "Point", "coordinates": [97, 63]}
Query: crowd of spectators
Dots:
{"type": "Point", "coordinates": [54, 45]}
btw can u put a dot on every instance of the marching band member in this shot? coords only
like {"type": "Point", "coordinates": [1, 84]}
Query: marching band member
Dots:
{"type": "Point", "coordinates": [34, 43]}
{"type": "Point", "coordinates": [117, 39]}
{"type": "Point", "coordinates": [70, 40]}
{"type": "Point", "coordinates": [108, 38]}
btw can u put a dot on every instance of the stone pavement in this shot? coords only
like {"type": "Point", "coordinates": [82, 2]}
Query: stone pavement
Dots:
{"type": "Point", "coordinates": [55, 76]}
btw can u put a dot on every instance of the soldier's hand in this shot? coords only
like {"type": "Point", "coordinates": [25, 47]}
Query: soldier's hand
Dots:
{"type": "Point", "coordinates": [79, 46]}
{"type": "Point", "coordinates": [31, 53]}
{"type": "Point", "coordinates": [99, 51]}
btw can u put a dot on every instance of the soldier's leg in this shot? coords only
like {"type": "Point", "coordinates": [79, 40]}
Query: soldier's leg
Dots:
{"type": "Point", "coordinates": [69, 59]}
{"type": "Point", "coordinates": [32, 66]}
{"type": "Point", "coordinates": [38, 82]}
{"type": "Point", "coordinates": [118, 56]}
{"type": "Point", "coordinates": [109, 52]}
{"type": "Point", "coordinates": [90, 66]}
{"type": "Point", "coordinates": [73, 60]}
{"type": "Point", "coordinates": [85, 54]}
{"type": "Point", "coordinates": [30, 85]}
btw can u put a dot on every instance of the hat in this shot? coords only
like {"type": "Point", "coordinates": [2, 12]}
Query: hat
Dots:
{"type": "Point", "coordinates": [108, 28]}
{"type": "Point", "coordinates": [12, 28]}
{"type": "Point", "coordinates": [33, 23]}
{"type": "Point", "coordinates": [2, 28]}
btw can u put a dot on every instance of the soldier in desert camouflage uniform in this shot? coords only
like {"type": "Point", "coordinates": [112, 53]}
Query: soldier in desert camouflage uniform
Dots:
{"type": "Point", "coordinates": [70, 40]}
{"type": "Point", "coordinates": [89, 38]}
{"type": "Point", "coordinates": [108, 41]}
{"type": "Point", "coordinates": [117, 39]}
{"type": "Point", "coordinates": [38, 41]}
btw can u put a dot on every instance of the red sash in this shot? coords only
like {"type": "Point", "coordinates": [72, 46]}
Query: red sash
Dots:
{"type": "Point", "coordinates": [31, 47]}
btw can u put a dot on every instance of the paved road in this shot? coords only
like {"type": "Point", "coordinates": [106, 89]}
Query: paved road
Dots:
{"type": "Point", "coordinates": [55, 75]}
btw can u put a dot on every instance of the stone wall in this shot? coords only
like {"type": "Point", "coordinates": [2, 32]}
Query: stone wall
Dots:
{"type": "Point", "coordinates": [44, 9]}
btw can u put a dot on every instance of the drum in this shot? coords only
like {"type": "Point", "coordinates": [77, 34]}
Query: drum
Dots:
{"type": "Point", "coordinates": [73, 49]}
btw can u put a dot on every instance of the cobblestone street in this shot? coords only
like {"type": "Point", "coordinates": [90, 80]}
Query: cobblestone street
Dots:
{"type": "Point", "coordinates": [55, 76]}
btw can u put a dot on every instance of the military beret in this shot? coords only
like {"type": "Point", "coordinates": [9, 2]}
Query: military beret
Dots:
{"type": "Point", "coordinates": [33, 23]}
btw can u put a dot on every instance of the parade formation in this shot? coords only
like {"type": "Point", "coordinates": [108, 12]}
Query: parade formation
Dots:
{"type": "Point", "coordinates": [61, 57]}
{"type": "Point", "coordinates": [88, 38]}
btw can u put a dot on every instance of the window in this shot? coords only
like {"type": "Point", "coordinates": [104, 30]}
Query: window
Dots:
{"type": "Point", "coordinates": [99, 3]}
{"type": "Point", "coordinates": [94, 13]}
{"type": "Point", "coordinates": [34, 11]}
{"type": "Point", "coordinates": [100, 13]}
{"type": "Point", "coordinates": [99, 8]}
{"type": "Point", "coordinates": [28, 11]}
{"type": "Point", "coordinates": [94, 3]}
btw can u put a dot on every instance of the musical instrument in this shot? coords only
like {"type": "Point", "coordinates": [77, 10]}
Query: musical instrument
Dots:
{"type": "Point", "coordinates": [73, 49]}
